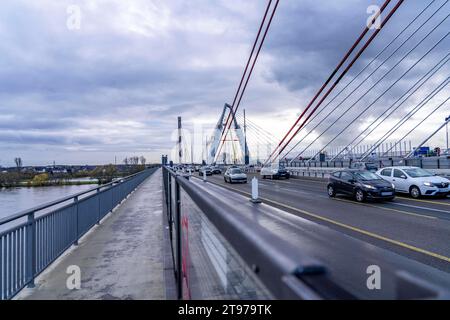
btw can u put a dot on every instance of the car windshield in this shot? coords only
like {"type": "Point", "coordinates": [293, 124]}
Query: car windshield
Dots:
{"type": "Point", "coordinates": [366, 176]}
{"type": "Point", "coordinates": [236, 171]}
{"type": "Point", "coordinates": [418, 173]}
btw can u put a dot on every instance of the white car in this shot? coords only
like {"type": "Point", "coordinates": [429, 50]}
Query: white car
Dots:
{"type": "Point", "coordinates": [234, 174]}
{"type": "Point", "coordinates": [415, 181]}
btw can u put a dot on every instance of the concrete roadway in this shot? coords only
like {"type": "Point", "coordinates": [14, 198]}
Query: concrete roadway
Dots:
{"type": "Point", "coordinates": [417, 229]}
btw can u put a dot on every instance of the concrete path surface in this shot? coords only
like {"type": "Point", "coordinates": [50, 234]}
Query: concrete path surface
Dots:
{"type": "Point", "coordinates": [121, 258]}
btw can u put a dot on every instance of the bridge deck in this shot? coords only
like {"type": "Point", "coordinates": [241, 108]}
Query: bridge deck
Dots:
{"type": "Point", "coordinates": [122, 258]}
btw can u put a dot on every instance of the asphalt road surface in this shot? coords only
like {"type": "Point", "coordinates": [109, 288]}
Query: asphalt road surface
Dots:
{"type": "Point", "coordinates": [417, 229]}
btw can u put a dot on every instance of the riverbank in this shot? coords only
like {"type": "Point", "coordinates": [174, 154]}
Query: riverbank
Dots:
{"type": "Point", "coordinates": [33, 184]}
{"type": "Point", "coordinates": [30, 184]}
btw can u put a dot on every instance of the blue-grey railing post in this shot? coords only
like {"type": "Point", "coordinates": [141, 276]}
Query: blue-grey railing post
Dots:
{"type": "Point", "coordinates": [98, 205]}
{"type": "Point", "coordinates": [170, 200]}
{"type": "Point", "coordinates": [179, 239]}
{"type": "Point", "coordinates": [112, 196]}
{"type": "Point", "coordinates": [31, 250]}
{"type": "Point", "coordinates": [77, 233]}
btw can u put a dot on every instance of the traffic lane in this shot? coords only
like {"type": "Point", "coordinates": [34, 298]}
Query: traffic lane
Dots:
{"type": "Point", "coordinates": [440, 201]}
{"type": "Point", "coordinates": [311, 195]}
{"type": "Point", "coordinates": [345, 258]}
{"type": "Point", "coordinates": [316, 188]}
{"type": "Point", "coordinates": [422, 207]}
{"type": "Point", "coordinates": [419, 231]}
{"type": "Point", "coordinates": [371, 216]}
{"type": "Point", "coordinates": [433, 206]}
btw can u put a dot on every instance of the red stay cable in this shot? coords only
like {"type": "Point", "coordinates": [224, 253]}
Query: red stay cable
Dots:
{"type": "Point", "coordinates": [248, 63]}
{"type": "Point", "coordinates": [341, 63]}
{"type": "Point", "coordinates": [360, 52]}
{"type": "Point", "coordinates": [233, 108]}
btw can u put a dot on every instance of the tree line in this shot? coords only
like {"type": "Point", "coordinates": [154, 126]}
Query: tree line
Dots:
{"type": "Point", "coordinates": [104, 174]}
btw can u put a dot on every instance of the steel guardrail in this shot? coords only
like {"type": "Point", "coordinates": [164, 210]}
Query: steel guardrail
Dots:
{"type": "Point", "coordinates": [285, 272]}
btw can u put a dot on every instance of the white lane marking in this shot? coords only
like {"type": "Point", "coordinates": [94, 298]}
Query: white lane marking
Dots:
{"type": "Point", "coordinates": [297, 191]}
{"type": "Point", "coordinates": [417, 207]}
{"type": "Point", "coordinates": [300, 192]}
{"type": "Point", "coordinates": [426, 201]}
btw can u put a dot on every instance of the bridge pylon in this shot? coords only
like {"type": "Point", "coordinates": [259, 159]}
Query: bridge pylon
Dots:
{"type": "Point", "coordinates": [216, 138]}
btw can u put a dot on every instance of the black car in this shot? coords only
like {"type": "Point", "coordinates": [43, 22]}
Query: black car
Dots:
{"type": "Point", "coordinates": [283, 173]}
{"type": "Point", "coordinates": [216, 170]}
{"type": "Point", "coordinates": [361, 184]}
{"type": "Point", "coordinates": [205, 170]}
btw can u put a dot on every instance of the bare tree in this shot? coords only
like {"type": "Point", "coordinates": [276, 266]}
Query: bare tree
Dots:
{"type": "Point", "coordinates": [18, 162]}
{"type": "Point", "coordinates": [143, 160]}
{"type": "Point", "coordinates": [126, 161]}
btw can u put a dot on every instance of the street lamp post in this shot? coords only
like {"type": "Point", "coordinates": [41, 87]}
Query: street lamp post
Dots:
{"type": "Point", "coordinates": [447, 120]}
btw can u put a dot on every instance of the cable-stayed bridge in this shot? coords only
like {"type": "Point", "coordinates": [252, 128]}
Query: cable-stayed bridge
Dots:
{"type": "Point", "coordinates": [177, 232]}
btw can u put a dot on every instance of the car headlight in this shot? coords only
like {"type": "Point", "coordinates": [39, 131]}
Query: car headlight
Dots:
{"type": "Point", "coordinates": [428, 184]}
{"type": "Point", "coordinates": [393, 186]}
{"type": "Point", "coordinates": [368, 186]}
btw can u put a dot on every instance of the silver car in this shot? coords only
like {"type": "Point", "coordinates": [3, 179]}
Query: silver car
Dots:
{"type": "Point", "coordinates": [233, 175]}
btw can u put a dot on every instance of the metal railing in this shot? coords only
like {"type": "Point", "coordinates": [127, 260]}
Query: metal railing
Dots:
{"type": "Point", "coordinates": [278, 269]}
{"type": "Point", "coordinates": [32, 239]}
{"type": "Point", "coordinates": [442, 162]}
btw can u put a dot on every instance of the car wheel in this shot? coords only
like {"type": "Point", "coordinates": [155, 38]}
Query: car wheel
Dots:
{"type": "Point", "coordinates": [225, 179]}
{"type": "Point", "coordinates": [331, 192]}
{"type": "Point", "coordinates": [414, 192]}
{"type": "Point", "coordinates": [359, 195]}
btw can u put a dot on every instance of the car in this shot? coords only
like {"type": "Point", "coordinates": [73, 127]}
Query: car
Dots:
{"type": "Point", "coordinates": [369, 166]}
{"type": "Point", "coordinates": [205, 170]}
{"type": "Point", "coordinates": [415, 181]}
{"type": "Point", "coordinates": [190, 169]}
{"type": "Point", "coordinates": [360, 184]}
{"type": "Point", "coordinates": [197, 168]}
{"type": "Point", "coordinates": [216, 170]}
{"type": "Point", "coordinates": [235, 175]}
{"type": "Point", "coordinates": [274, 173]}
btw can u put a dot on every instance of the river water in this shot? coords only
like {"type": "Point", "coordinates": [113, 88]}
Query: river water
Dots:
{"type": "Point", "coordinates": [17, 199]}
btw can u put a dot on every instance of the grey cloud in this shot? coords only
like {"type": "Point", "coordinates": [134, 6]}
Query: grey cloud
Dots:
{"type": "Point", "coordinates": [120, 82]}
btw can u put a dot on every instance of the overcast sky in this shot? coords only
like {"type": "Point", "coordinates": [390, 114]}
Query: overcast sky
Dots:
{"type": "Point", "coordinates": [115, 86]}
